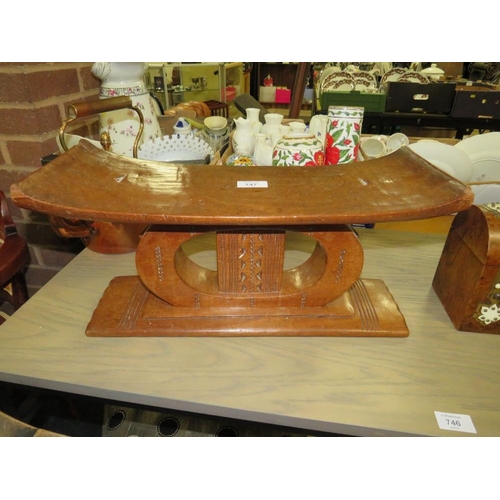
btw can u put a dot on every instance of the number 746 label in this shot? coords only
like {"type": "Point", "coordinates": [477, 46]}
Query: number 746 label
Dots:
{"type": "Point", "coordinates": [455, 422]}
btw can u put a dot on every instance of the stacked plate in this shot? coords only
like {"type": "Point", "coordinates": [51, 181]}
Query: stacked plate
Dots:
{"type": "Point", "coordinates": [403, 75]}
{"type": "Point", "coordinates": [484, 153]}
{"type": "Point", "coordinates": [474, 161]}
{"type": "Point", "coordinates": [347, 81]}
{"type": "Point", "coordinates": [447, 158]}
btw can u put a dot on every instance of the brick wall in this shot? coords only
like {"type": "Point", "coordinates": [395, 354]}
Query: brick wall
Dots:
{"type": "Point", "coordinates": [33, 103]}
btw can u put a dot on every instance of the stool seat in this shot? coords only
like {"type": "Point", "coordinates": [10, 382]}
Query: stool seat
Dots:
{"type": "Point", "coordinates": [14, 256]}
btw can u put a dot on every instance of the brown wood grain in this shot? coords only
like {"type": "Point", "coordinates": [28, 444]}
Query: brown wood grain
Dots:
{"type": "Point", "coordinates": [91, 184]}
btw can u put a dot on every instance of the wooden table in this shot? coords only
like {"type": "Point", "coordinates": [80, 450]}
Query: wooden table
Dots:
{"type": "Point", "coordinates": [355, 386]}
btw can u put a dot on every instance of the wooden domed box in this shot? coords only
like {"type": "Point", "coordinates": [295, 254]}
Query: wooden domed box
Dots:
{"type": "Point", "coordinates": [467, 279]}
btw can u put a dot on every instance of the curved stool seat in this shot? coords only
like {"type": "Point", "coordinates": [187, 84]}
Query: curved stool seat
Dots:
{"type": "Point", "coordinates": [14, 256]}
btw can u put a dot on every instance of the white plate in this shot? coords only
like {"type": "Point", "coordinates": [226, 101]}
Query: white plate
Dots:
{"type": "Point", "coordinates": [327, 72]}
{"type": "Point", "coordinates": [363, 83]}
{"type": "Point", "coordinates": [445, 157]}
{"type": "Point", "coordinates": [175, 148]}
{"type": "Point", "coordinates": [331, 82]}
{"type": "Point", "coordinates": [484, 152]}
{"type": "Point", "coordinates": [414, 77]}
{"type": "Point", "coordinates": [487, 193]}
{"type": "Point", "coordinates": [393, 75]}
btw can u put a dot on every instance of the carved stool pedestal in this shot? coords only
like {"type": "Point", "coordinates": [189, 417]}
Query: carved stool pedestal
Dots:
{"type": "Point", "coordinates": [250, 293]}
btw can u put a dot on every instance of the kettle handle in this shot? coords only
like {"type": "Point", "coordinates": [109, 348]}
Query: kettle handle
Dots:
{"type": "Point", "coordinates": [89, 108]}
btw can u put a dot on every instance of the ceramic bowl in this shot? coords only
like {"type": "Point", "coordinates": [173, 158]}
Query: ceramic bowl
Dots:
{"type": "Point", "coordinates": [215, 123]}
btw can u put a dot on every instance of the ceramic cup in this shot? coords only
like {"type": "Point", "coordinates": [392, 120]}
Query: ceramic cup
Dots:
{"type": "Point", "coordinates": [396, 141]}
{"type": "Point", "coordinates": [371, 148]}
{"type": "Point", "coordinates": [382, 138]}
{"type": "Point", "coordinates": [343, 134]}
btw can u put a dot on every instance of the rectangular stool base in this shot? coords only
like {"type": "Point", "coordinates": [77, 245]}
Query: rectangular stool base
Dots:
{"type": "Point", "coordinates": [128, 309]}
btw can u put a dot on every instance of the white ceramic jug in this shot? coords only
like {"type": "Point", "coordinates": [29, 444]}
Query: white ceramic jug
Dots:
{"type": "Point", "coordinates": [243, 137]}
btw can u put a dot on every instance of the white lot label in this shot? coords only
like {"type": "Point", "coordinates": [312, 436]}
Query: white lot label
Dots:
{"type": "Point", "coordinates": [251, 184]}
{"type": "Point", "coordinates": [455, 422]}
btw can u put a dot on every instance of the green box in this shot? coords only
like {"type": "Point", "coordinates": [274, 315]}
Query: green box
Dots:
{"type": "Point", "coordinates": [372, 102]}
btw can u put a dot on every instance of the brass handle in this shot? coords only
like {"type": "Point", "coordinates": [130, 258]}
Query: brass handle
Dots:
{"type": "Point", "coordinates": [89, 108]}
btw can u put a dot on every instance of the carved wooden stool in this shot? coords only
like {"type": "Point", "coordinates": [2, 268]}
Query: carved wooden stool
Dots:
{"type": "Point", "coordinates": [250, 210]}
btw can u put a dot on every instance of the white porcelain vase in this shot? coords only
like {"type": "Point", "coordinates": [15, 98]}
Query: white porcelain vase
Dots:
{"type": "Point", "coordinates": [253, 114]}
{"type": "Point", "coordinates": [272, 125]}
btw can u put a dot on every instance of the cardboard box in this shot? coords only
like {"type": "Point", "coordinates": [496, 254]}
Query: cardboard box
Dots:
{"type": "Point", "coordinates": [474, 103]}
{"type": "Point", "coordinates": [230, 93]}
{"type": "Point", "coordinates": [267, 94]}
{"type": "Point", "coordinates": [409, 97]}
{"type": "Point", "coordinates": [283, 96]}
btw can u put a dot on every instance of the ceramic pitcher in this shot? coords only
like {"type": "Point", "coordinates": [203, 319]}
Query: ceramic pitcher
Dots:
{"type": "Point", "coordinates": [343, 134]}
{"type": "Point", "coordinates": [126, 79]}
{"type": "Point", "coordinates": [243, 137]}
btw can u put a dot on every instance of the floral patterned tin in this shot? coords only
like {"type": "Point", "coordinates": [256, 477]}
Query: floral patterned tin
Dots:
{"type": "Point", "coordinates": [343, 132]}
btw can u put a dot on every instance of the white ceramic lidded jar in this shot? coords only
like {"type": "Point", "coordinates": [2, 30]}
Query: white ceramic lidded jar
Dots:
{"type": "Point", "coordinates": [301, 150]}
{"type": "Point", "coordinates": [126, 79]}
{"type": "Point", "coordinates": [433, 72]}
